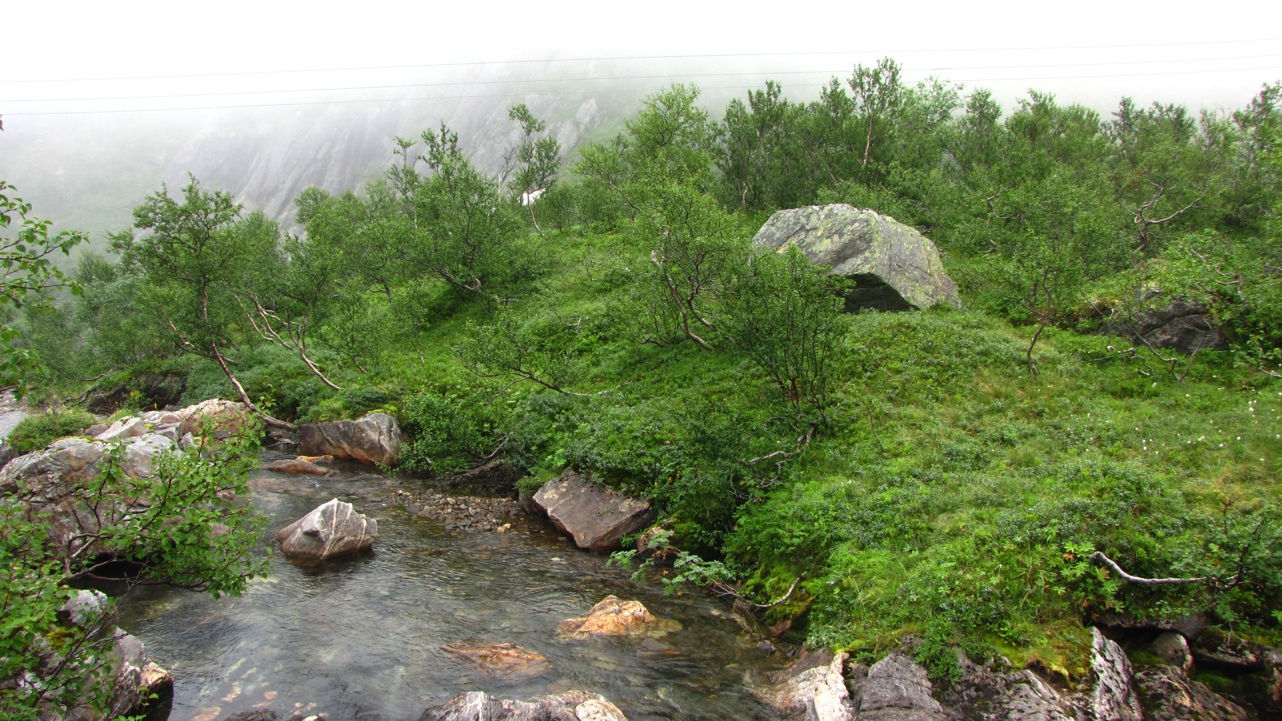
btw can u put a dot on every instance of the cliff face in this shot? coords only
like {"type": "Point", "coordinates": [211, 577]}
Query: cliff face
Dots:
{"type": "Point", "coordinates": [337, 148]}
{"type": "Point", "coordinates": [89, 172]}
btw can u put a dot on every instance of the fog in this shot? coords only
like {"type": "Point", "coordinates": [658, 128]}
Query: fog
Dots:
{"type": "Point", "coordinates": [103, 102]}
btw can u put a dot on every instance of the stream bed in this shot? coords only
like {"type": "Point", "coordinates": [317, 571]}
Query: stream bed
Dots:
{"type": "Point", "coordinates": [362, 638]}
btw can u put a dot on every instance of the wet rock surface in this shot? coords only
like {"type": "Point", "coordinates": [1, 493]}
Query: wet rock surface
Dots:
{"type": "Point", "coordinates": [894, 266]}
{"type": "Point", "coordinates": [459, 513]}
{"type": "Point", "coordinates": [614, 617]}
{"type": "Point", "coordinates": [296, 467]}
{"type": "Point", "coordinates": [332, 529]}
{"type": "Point", "coordinates": [569, 706]}
{"type": "Point", "coordinates": [376, 438]}
{"type": "Point", "coordinates": [595, 516]}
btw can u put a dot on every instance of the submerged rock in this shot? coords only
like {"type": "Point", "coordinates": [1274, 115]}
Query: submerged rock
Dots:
{"type": "Point", "coordinates": [332, 529]}
{"type": "Point", "coordinates": [597, 517]}
{"type": "Point", "coordinates": [502, 658]}
{"type": "Point", "coordinates": [376, 438]}
{"type": "Point", "coordinates": [296, 467]}
{"type": "Point", "coordinates": [569, 706]}
{"type": "Point", "coordinates": [894, 266]}
{"type": "Point", "coordinates": [613, 617]}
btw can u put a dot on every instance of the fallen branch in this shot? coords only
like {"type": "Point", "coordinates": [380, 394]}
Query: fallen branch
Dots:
{"type": "Point", "coordinates": [1112, 565]}
{"type": "Point", "coordinates": [785, 597]}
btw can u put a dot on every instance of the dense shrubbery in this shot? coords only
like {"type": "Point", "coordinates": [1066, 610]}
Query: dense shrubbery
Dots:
{"type": "Point", "coordinates": [39, 430]}
{"type": "Point", "coordinates": [947, 473]}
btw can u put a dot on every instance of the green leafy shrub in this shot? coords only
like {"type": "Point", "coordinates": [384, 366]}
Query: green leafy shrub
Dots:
{"type": "Point", "coordinates": [35, 432]}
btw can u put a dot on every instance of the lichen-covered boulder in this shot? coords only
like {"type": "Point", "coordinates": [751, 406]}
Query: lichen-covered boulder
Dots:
{"type": "Point", "coordinates": [597, 517]}
{"type": "Point", "coordinates": [333, 529]}
{"type": "Point", "coordinates": [376, 438]}
{"type": "Point", "coordinates": [568, 706]}
{"type": "Point", "coordinates": [894, 266]}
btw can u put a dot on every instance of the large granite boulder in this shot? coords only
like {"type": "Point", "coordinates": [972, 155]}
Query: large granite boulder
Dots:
{"type": "Point", "coordinates": [894, 266]}
{"type": "Point", "coordinates": [568, 706]}
{"type": "Point", "coordinates": [53, 481]}
{"type": "Point", "coordinates": [597, 517]}
{"type": "Point", "coordinates": [333, 529]}
{"type": "Point", "coordinates": [376, 438]}
{"type": "Point", "coordinates": [223, 417]}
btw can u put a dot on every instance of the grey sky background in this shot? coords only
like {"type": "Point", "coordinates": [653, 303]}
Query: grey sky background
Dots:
{"type": "Point", "coordinates": [1200, 54]}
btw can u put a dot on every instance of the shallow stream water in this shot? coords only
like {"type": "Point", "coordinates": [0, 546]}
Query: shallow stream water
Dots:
{"type": "Point", "coordinates": [361, 638]}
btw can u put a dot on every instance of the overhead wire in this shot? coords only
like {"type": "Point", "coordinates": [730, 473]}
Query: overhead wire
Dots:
{"type": "Point", "coordinates": [691, 56]}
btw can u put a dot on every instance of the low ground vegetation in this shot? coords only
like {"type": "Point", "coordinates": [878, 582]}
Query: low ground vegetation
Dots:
{"type": "Point", "coordinates": [945, 473]}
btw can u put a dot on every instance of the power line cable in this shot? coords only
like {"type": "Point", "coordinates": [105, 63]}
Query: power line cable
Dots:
{"type": "Point", "coordinates": [606, 79]}
{"type": "Point", "coordinates": [580, 92]}
{"type": "Point", "coordinates": [634, 57]}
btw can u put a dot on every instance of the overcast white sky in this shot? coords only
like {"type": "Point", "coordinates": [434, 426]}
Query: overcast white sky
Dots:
{"type": "Point", "coordinates": [1201, 54]}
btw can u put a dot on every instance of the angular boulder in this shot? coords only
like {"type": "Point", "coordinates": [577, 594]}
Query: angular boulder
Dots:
{"type": "Point", "coordinates": [595, 516]}
{"type": "Point", "coordinates": [568, 706]}
{"type": "Point", "coordinates": [613, 617]}
{"type": "Point", "coordinates": [897, 689]}
{"type": "Point", "coordinates": [376, 438]}
{"type": "Point", "coordinates": [224, 417]}
{"type": "Point", "coordinates": [123, 428]}
{"type": "Point", "coordinates": [894, 267]}
{"type": "Point", "coordinates": [333, 529]}
{"type": "Point", "coordinates": [815, 688]}
{"type": "Point", "coordinates": [1112, 696]}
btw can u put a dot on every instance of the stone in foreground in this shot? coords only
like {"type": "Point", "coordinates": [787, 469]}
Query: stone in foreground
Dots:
{"type": "Point", "coordinates": [894, 266]}
{"type": "Point", "coordinates": [333, 529]}
{"type": "Point", "coordinates": [504, 658]}
{"type": "Point", "coordinates": [897, 689]}
{"type": "Point", "coordinates": [597, 517]}
{"type": "Point", "coordinates": [815, 688]}
{"type": "Point", "coordinates": [376, 438]}
{"type": "Point", "coordinates": [569, 706]}
{"type": "Point", "coordinates": [612, 617]}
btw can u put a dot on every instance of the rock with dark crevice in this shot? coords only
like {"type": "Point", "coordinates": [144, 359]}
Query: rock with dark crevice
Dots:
{"type": "Point", "coordinates": [993, 693]}
{"type": "Point", "coordinates": [1181, 326]}
{"type": "Point", "coordinates": [1170, 695]}
{"type": "Point", "coordinates": [333, 529]}
{"type": "Point", "coordinates": [596, 517]}
{"type": "Point", "coordinates": [894, 267]}
{"type": "Point", "coordinates": [1217, 649]}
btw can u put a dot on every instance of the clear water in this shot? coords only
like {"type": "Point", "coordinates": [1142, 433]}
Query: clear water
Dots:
{"type": "Point", "coordinates": [361, 638]}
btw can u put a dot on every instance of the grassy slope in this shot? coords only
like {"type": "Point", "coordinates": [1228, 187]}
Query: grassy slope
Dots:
{"type": "Point", "coordinates": [955, 496]}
